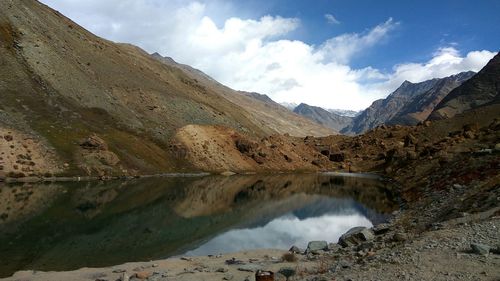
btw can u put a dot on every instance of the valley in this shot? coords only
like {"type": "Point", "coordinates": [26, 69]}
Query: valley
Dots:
{"type": "Point", "coordinates": [118, 164]}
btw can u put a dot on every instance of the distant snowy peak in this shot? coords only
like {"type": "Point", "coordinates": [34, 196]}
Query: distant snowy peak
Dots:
{"type": "Point", "coordinates": [345, 112]}
{"type": "Point", "coordinates": [290, 105]}
{"type": "Point", "coordinates": [342, 112]}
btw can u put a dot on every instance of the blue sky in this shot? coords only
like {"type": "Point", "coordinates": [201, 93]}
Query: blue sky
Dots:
{"type": "Point", "coordinates": [335, 54]}
{"type": "Point", "coordinates": [425, 25]}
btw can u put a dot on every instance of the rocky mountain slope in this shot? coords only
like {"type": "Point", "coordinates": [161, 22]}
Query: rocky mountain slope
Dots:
{"type": "Point", "coordinates": [262, 110]}
{"type": "Point", "coordinates": [96, 107]}
{"type": "Point", "coordinates": [323, 116]}
{"type": "Point", "coordinates": [408, 105]}
{"type": "Point", "coordinates": [421, 107]}
{"type": "Point", "coordinates": [482, 89]}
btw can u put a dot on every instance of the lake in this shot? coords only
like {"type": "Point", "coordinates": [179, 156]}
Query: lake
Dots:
{"type": "Point", "coordinates": [65, 226]}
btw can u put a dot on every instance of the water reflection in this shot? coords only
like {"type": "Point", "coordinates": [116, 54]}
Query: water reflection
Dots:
{"type": "Point", "coordinates": [64, 226]}
{"type": "Point", "coordinates": [284, 231]}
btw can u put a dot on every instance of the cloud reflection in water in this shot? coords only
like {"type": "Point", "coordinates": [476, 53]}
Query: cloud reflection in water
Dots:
{"type": "Point", "coordinates": [282, 233]}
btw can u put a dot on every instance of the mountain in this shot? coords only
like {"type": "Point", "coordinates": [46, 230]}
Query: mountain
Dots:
{"type": "Point", "coordinates": [407, 105]}
{"type": "Point", "coordinates": [345, 112]}
{"type": "Point", "coordinates": [72, 103]}
{"type": "Point", "coordinates": [323, 116]}
{"type": "Point", "coordinates": [289, 105]}
{"type": "Point", "coordinates": [482, 89]}
{"type": "Point", "coordinates": [261, 109]}
{"type": "Point", "coordinates": [421, 107]}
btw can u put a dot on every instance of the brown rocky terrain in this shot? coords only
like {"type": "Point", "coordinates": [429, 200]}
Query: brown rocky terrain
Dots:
{"type": "Point", "coordinates": [218, 149]}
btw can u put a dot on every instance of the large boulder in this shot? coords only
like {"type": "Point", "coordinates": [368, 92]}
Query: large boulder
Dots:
{"type": "Point", "coordinates": [314, 246]}
{"type": "Point", "coordinates": [356, 236]}
{"type": "Point", "coordinates": [93, 142]}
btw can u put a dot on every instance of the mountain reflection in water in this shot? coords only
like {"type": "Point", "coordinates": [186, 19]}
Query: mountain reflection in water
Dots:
{"type": "Point", "coordinates": [65, 226]}
{"type": "Point", "coordinates": [329, 222]}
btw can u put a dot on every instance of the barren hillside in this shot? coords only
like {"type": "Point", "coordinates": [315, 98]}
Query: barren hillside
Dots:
{"type": "Point", "coordinates": [103, 108]}
{"type": "Point", "coordinates": [269, 115]}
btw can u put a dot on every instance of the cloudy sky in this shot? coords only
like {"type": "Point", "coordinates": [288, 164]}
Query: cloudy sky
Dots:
{"type": "Point", "coordinates": [329, 53]}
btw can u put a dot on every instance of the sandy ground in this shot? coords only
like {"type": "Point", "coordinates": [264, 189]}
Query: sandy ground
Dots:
{"type": "Point", "coordinates": [189, 268]}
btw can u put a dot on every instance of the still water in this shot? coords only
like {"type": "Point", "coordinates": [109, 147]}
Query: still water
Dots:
{"type": "Point", "coordinates": [64, 226]}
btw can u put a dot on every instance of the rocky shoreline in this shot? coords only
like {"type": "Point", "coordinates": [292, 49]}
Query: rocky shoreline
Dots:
{"type": "Point", "coordinates": [465, 251]}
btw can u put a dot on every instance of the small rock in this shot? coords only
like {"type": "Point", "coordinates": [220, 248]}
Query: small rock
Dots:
{"type": "Point", "coordinates": [249, 267]}
{"type": "Point", "coordinates": [345, 264]}
{"type": "Point", "coordinates": [334, 247]}
{"type": "Point", "coordinates": [480, 249]}
{"type": "Point", "coordinates": [228, 277]}
{"type": "Point", "coordinates": [234, 261]}
{"type": "Point", "coordinates": [287, 272]}
{"type": "Point", "coordinates": [381, 228]}
{"type": "Point", "coordinates": [124, 277]}
{"type": "Point", "coordinates": [119, 270]}
{"type": "Point", "coordinates": [495, 250]}
{"type": "Point", "coordinates": [365, 246]}
{"type": "Point", "coordinates": [296, 250]}
{"type": "Point", "coordinates": [409, 140]}
{"type": "Point", "coordinates": [317, 246]}
{"type": "Point", "coordinates": [399, 237]}
{"type": "Point", "coordinates": [497, 147]}
{"type": "Point", "coordinates": [221, 269]}
{"type": "Point", "coordinates": [469, 135]}
{"type": "Point", "coordinates": [143, 275]}
{"type": "Point", "coordinates": [337, 157]}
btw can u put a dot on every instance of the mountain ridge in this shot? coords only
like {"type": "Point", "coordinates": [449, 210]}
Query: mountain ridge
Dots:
{"type": "Point", "coordinates": [261, 108]}
{"type": "Point", "coordinates": [409, 104]}
{"type": "Point", "coordinates": [480, 90]}
{"type": "Point", "coordinates": [323, 116]}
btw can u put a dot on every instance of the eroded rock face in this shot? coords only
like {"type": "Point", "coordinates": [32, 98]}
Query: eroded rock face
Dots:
{"type": "Point", "coordinates": [95, 157]}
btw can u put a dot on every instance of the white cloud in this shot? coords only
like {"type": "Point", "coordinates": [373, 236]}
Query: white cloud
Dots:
{"type": "Point", "coordinates": [343, 47]}
{"type": "Point", "coordinates": [445, 61]}
{"type": "Point", "coordinates": [255, 54]}
{"type": "Point", "coordinates": [331, 19]}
